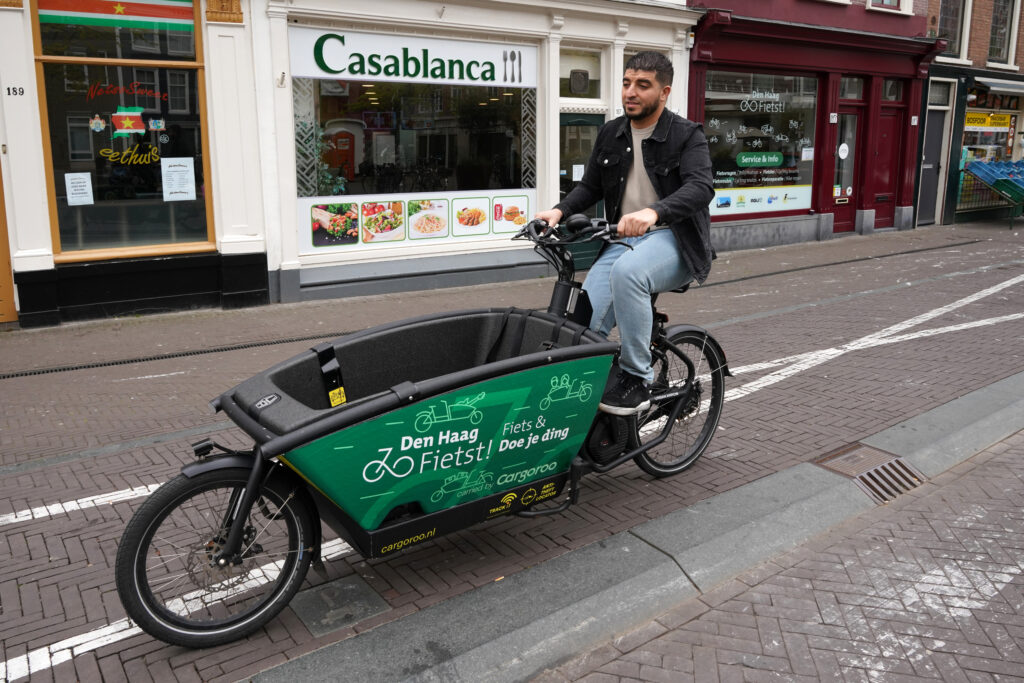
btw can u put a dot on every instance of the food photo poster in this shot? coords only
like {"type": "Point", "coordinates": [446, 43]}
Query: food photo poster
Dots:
{"type": "Point", "coordinates": [362, 222]}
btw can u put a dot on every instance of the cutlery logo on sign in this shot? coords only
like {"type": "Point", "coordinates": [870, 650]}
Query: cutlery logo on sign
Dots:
{"type": "Point", "coordinates": [512, 59]}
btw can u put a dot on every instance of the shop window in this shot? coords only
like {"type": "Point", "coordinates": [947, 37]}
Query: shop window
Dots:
{"type": "Point", "coordinates": [954, 17]}
{"type": "Point", "coordinates": [369, 138]}
{"type": "Point", "coordinates": [1004, 28]}
{"type": "Point", "coordinates": [579, 74]}
{"type": "Point", "coordinates": [142, 182]}
{"type": "Point", "coordinates": [760, 130]}
{"type": "Point", "coordinates": [892, 90]}
{"type": "Point", "coordinates": [125, 136]}
{"type": "Point", "coordinates": [851, 88]}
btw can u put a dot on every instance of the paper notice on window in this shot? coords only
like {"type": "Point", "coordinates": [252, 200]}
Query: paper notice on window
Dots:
{"type": "Point", "coordinates": [179, 178]}
{"type": "Point", "coordinates": [577, 172]}
{"type": "Point", "coordinates": [807, 154]}
{"type": "Point", "coordinates": [79, 187]}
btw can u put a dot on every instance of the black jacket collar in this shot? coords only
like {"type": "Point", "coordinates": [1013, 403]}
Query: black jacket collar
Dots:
{"type": "Point", "coordinates": [660, 128]}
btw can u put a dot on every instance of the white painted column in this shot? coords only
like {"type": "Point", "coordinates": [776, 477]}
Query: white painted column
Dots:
{"type": "Point", "coordinates": [279, 173]}
{"type": "Point", "coordinates": [234, 138]}
{"type": "Point", "coordinates": [21, 130]}
{"type": "Point", "coordinates": [547, 119]}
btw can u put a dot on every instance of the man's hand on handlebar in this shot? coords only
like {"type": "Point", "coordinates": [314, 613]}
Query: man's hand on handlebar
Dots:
{"type": "Point", "coordinates": [636, 223]}
{"type": "Point", "coordinates": [552, 216]}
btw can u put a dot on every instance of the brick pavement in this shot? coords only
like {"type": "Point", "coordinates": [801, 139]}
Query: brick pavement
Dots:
{"type": "Point", "coordinates": [928, 587]}
{"type": "Point", "coordinates": [65, 436]}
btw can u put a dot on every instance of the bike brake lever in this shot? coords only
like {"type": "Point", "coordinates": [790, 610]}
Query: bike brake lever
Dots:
{"type": "Point", "coordinates": [605, 235]}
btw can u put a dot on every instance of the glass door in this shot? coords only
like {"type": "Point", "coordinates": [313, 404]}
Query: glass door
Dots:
{"type": "Point", "coordinates": [576, 136]}
{"type": "Point", "coordinates": [844, 183]}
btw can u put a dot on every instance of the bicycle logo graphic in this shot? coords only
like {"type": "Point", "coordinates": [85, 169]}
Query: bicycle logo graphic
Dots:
{"type": "Point", "coordinates": [562, 389]}
{"type": "Point", "coordinates": [381, 466]}
{"type": "Point", "coordinates": [463, 409]}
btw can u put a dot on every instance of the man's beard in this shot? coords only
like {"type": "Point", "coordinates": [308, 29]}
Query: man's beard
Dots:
{"type": "Point", "coordinates": [645, 111]}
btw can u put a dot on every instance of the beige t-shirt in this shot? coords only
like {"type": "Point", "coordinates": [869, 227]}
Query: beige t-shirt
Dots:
{"type": "Point", "coordinates": [640, 192]}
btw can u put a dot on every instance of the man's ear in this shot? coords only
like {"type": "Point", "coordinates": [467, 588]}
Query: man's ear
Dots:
{"type": "Point", "coordinates": [664, 93]}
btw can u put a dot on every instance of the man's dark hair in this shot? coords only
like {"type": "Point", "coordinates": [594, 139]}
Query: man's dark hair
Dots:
{"type": "Point", "coordinates": [653, 61]}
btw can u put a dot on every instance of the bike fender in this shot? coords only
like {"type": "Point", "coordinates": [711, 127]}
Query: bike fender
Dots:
{"type": "Point", "coordinates": [673, 329]}
{"type": "Point", "coordinates": [220, 462]}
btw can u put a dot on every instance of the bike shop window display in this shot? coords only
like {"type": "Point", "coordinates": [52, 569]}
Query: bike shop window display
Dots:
{"type": "Point", "coordinates": [411, 142]}
{"type": "Point", "coordinates": [125, 134]}
{"type": "Point", "coordinates": [760, 130]}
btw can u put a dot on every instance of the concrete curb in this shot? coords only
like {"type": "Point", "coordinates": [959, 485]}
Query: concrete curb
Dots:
{"type": "Point", "coordinates": [514, 629]}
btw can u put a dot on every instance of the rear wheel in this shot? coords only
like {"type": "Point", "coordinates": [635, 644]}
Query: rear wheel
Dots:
{"type": "Point", "coordinates": [691, 432]}
{"type": "Point", "coordinates": [166, 576]}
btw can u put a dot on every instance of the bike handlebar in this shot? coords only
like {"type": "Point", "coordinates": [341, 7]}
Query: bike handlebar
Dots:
{"type": "Point", "coordinates": [577, 228]}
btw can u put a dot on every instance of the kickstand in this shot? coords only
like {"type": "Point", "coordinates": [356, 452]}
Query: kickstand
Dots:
{"type": "Point", "coordinates": [576, 471]}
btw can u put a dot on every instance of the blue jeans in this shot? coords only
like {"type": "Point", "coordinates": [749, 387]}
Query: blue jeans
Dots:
{"type": "Point", "coordinates": [620, 285]}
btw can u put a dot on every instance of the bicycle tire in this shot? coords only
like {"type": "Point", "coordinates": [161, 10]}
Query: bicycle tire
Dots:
{"type": "Point", "coordinates": [181, 597]}
{"type": "Point", "coordinates": [693, 430]}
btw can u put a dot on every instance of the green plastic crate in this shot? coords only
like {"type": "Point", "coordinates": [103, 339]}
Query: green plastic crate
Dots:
{"type": "Point", "coordinates": [1009, 189]}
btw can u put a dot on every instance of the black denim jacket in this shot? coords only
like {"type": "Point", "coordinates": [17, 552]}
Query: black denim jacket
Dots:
{"type": "Point", "coordinates": [678, 163]}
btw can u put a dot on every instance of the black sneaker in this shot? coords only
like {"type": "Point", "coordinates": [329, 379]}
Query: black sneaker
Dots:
{"type": "Point", "coordinates": [626, 396]}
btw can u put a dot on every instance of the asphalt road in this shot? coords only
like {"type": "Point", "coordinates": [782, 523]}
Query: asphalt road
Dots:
{"type": "Point", "coordinates": [830, 343]}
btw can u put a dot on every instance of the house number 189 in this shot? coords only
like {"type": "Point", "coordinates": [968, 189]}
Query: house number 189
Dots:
{"type": "Point", "coordinates": [15, 91]}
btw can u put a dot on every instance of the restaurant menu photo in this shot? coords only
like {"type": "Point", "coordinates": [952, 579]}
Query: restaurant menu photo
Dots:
{"type": "Point", "coordinates": [472, 216]}
{"type": "Point", "coordinates": [510, 213]}
{"type": "Point", "coordinates": [428, 218]}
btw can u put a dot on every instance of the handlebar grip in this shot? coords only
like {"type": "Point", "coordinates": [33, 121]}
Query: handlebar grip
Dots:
{"type": "Point", "coordinates": [576, 223]}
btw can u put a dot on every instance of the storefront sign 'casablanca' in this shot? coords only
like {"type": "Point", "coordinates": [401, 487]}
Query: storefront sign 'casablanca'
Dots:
{"type": "Point", "coordinates": [316, 53]}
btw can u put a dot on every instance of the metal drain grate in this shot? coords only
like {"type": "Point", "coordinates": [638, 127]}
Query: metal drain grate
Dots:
{"type": "Point", "coordinates": [881, 475]}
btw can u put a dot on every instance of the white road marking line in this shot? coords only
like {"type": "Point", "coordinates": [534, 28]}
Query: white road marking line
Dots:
{"type": "Point", "coordinates": [122, 629]}
{"type": "Point", "coordinates": [46, 511]}
{"type": "Point", "coordinates": [166, 374]}
{"type": "Point", "coordinates": [49, 656]}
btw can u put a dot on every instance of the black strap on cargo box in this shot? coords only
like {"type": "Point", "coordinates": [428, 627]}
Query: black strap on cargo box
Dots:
{"type": "Point", "coordinates": [330, 370]}
{"type": "Point", "coordinates": [517, 335]}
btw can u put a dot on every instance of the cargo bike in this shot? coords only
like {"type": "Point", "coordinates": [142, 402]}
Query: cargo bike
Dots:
{"type": "Point", "coordinates": [473, 415]}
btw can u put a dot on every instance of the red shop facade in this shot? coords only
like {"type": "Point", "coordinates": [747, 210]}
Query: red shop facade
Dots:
{"type": "Point", "coordinates": [813, 131]}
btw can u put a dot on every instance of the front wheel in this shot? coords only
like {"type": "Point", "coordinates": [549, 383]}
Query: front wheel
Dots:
{"type": "Point", "coordinates": [166, 576]}
{"type": "Point", "coordinates": [692, 431]}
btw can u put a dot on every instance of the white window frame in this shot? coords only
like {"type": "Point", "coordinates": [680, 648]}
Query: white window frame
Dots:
{"type": "Point", "coordinates": [148, 40]}
{"type": "Point", "coordinates": [173, 35]}
{"type": "Point", "coordinates": [1011, 52]}
{"type": "Point", "coordinates": [904, 7]}
{"type": "Point", "coordinates": [77, 121]}
{"type": "Point", "coordinates": [170, 97]}
{"type": "Point", "coordinates": [154, 86]}
{"type": "Point", "coordinates": [965, 35]}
